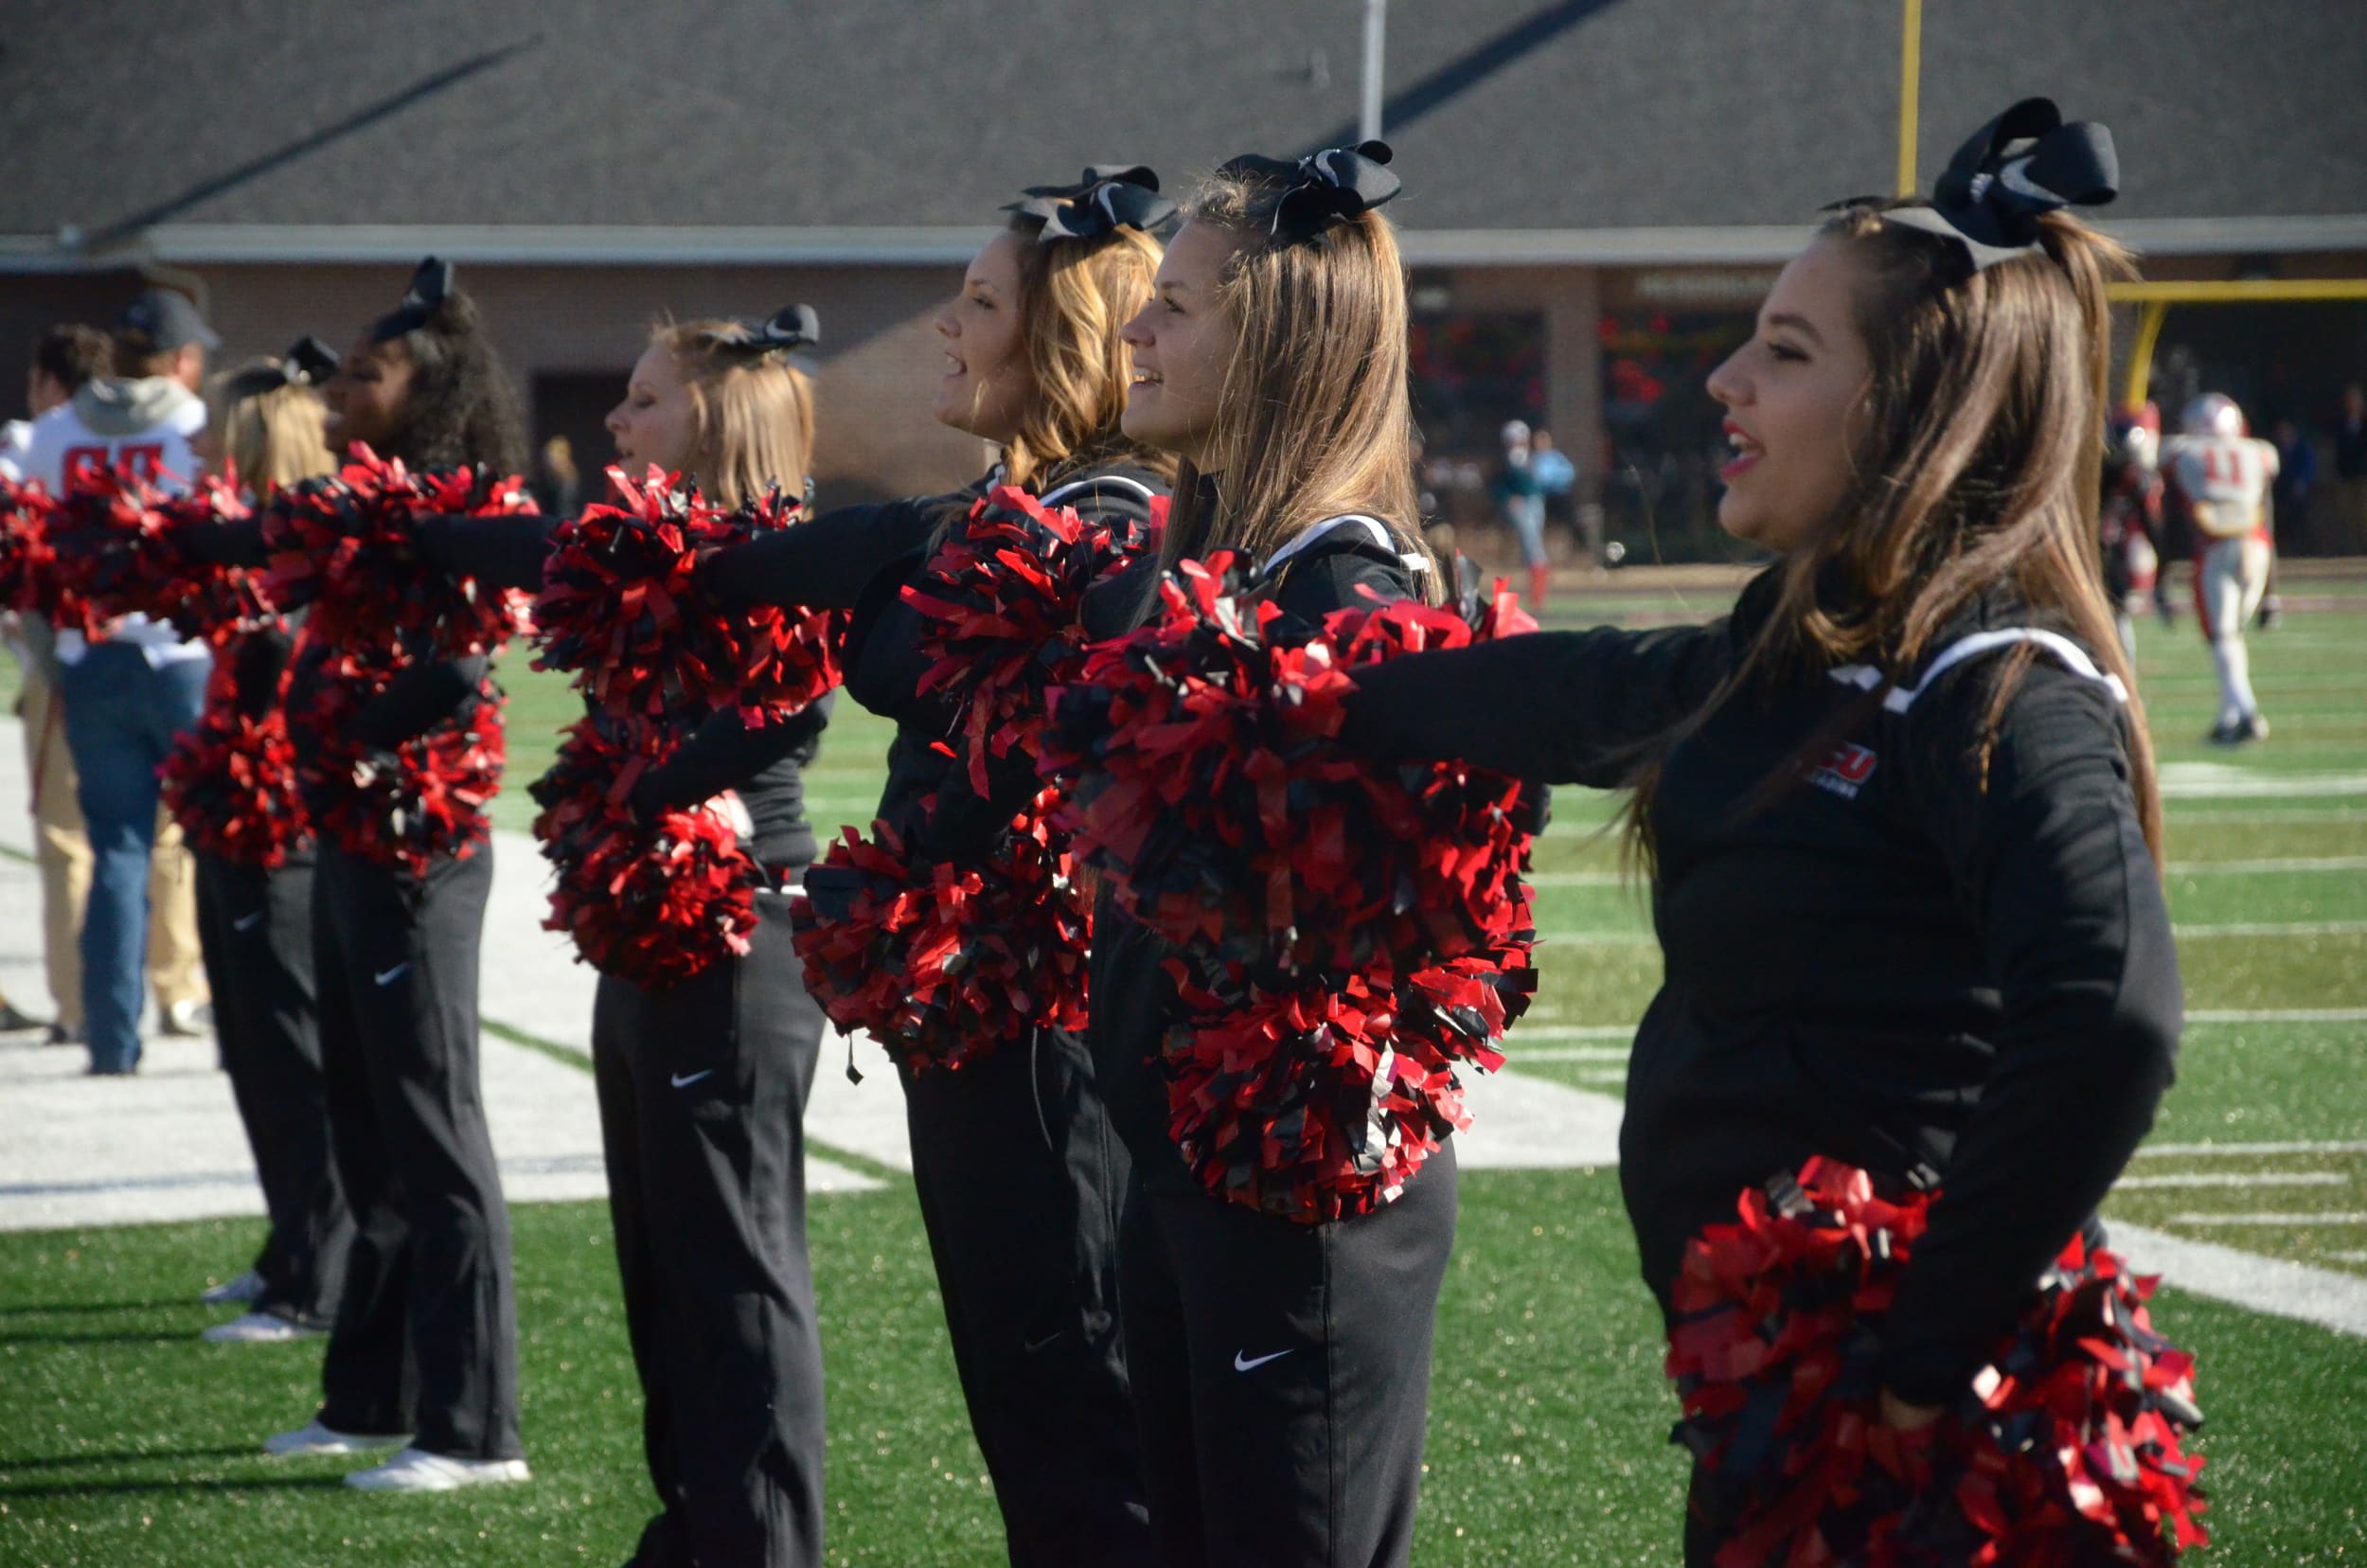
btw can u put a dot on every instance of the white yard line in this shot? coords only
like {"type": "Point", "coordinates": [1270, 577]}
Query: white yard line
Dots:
{"type": "Point", "coordinates": [2233, 1179]}
{"type": "Point", "coordinates": [2278, 1015]}
{"type": "Point", "coordinates": [2266, 868]}
{"type": "Point", "coordinates": [1517, 1053]}
{"type": "Point", "coordinates": [2184, 932]}
{"type": "Point", "coordinates": [1526, 1032]}
{"type": "Point", "coordinates": [2225, 783]}
{"type": "Point", "coordinates": [2326, 1297]}
{"type": "Point", "coordinates": [2193, 1151]}
{"type": "Point", "coordinates": [2270, 1217]}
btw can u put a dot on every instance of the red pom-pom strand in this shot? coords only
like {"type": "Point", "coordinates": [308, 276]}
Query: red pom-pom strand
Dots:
{"type": "Point", "coordinates": [1001, 603]}
{"type": "Point", "coordinates": [1343, 936]}
{"type": "Point", "coordinates": [231, 781]}
{"type": "Point", "coordinates": [621, 609]}
{"type": "Point", "coordinates": [945, 962]}
{"type": "Point", "coordinates": [404, 809]}
{"type": "Point", "coordinates": [347, 546]}
{"type": "Point", "coordinates": [653, 903]}
{"type": "Point", "coordinates": [2066, 1450]}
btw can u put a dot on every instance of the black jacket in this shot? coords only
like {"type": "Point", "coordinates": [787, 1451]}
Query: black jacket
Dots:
{"type": "Point", "coordinates": [1133, 999]}
{"type": "Point", "coordinates": [1897, 957]}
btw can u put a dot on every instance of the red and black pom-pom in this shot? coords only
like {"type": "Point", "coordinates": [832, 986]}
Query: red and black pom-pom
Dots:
{"type": "Point", "coordinates": [24, 553]}
{"type": "Point", "coordinates": [1002, 601]}
{"type": "Point", "coordinates": [231, 781]}
{"type": "Point", "coordinates": [2067, 1451]}
{"type": "Point", "coordinates": [945, 962]}
{"type": "Point", "coordinates": [405, 808]}
{"type": "Point", "coordinates": [653, 903]}
{"type": "Point", "coordinates": [621, 609]}
{"type": "Point", "coordinates": [347, 546]}
{"type": "Point", "coordinates": [107, 549]}
{"type": "Point", "coordinates": [1343, 936]}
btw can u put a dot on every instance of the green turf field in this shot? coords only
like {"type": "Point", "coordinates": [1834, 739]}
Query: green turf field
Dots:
{"type": "Point", "coordinates": [123, 1440]}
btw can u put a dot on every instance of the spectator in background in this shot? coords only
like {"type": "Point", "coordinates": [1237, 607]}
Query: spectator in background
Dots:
{"type": "Point", "coordinates": [1520, 502]}
{"type": "Point", "coordinates": [128, 694]}
{"type": "Point", "coordinates": [558, 483]}
{"type": "Point", "coordinates": [2350, 470]}
{"type": "Point", "coordinates": [2297, 478]}
{"type": "Point", "coordinates": [65, 358]}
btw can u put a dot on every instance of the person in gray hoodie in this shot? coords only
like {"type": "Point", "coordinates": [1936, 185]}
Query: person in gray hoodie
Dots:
{"type": "Point", "coordinates": [129, 692]}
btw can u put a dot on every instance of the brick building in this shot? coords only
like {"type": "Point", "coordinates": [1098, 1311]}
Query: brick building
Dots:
{"type": "Point", "coordinates": [1596, 190]}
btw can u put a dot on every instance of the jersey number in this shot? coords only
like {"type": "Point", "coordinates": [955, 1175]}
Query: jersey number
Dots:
{"type": "Point", "coordinates": [143, 462]}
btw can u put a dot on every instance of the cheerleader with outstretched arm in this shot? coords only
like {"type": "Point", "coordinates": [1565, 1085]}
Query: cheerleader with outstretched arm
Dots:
{"type": "Point", "coordinates": [1280, 1349]}
{"type": "Point", "coordinates": [1899, 805]}
{"type": "Point", "coordinates": [1017, 1173]}
{"type": "Point", "coordinates": [704, 1066]}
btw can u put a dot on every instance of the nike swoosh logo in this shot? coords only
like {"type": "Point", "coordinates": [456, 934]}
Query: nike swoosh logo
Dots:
{"type": "Point", "coordinates": [246, 922]}
{"type": "Point", "coordinates": [387, 977]}
{"type": "Point", "coordinates": [684, 1080]}
{"type": "Point", "coordinates": [1241, 1364]}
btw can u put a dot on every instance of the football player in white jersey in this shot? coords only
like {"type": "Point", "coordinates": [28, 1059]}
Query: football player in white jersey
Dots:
{"type": "Point", "coordinates": [2219, 479]}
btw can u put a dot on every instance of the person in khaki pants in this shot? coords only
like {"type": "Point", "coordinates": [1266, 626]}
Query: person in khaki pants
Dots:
{"type": "Point", "coordinates": [175, 972]}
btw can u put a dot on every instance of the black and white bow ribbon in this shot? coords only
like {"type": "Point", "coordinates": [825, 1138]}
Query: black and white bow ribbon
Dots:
{"type": "Point", "coordinates": [790, 326]}
{"type": "Point", "coordinates": [308, 361]}
{"type": "Point", "coordinates": [1323, 188]}
{"type": "Point", "coordinates": [2023, 164]}
{"type": "Point", "coordinates": [1109, 196]}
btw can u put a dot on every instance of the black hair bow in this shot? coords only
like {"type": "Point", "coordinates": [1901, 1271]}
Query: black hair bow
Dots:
{"type": "Point", "coordinates": [1109, 196]}
{"type": "Point", "coordinates": [2024, 163]}
{"type": "Point", "coordinates": [431, 285]}
{"type": "Point", "coordinates": [790, 326]}
{"type": "Point", "coordinates": [308, 361]}
{"type": "Point", "coordinates": [1323, 188]}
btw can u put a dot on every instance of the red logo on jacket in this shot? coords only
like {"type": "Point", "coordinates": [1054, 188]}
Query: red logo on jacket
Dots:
{"type": "Point", "coordinates": [1845, 772]}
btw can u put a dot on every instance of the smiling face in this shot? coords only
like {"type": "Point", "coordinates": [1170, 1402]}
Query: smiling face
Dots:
{"type": "Point", "coordinates": [1795, 396]}
{"type": "Point", "coordinates": [369, 396]}
{"type": "Point", "coordinates": [1183, 343]}
{"type": "Point", "coordinates": [654, 422]}
{"type": "Point", "coordinates": [986, 387]}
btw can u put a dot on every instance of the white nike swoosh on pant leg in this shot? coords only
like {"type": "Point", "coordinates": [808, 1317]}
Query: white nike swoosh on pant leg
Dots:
{"type": "Point", "coordinates": [684, 1080]}
{"type": "Point", "coordinates": [387, 977]}
{"type": "Point", "coordinates": [246, 922]}
{"type": "Point", "coordinates": [1239, 1364]}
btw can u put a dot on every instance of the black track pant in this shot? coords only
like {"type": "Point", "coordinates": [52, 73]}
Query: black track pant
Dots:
{"type": "Point", "coordinates": [703, 1099]}
{"type": "Point", "coordinates": [256, 929]}
{"type": "Point", "coordinates": [426, 1338]}
{"type": "Point", "coordinates": [1021, 1181]}
{"type": "Point", "coordinates": [1282, 1374]}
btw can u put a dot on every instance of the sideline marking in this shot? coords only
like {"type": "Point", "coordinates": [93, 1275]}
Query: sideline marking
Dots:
{"type": "Point", "coordinates": [2270, 1285]}
{"type": "Point", "coordinates": [2336, 1145]}
{"type": "Point", "coordinates": [2278, 1015]}
{"type": "Point", "coordinates": [2234, 1179]}
{"type": "Point", "coordinates": [2270, 1219]}
{"type": "Point", "coordinates": [2182, 933]}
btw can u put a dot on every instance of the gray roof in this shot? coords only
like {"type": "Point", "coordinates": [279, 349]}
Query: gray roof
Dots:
{"type": "Point", "coordinates": [1507, 114]}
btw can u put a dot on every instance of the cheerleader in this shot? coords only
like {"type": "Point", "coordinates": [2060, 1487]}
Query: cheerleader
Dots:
{"type": "Point", "coordinates": [1018, 1174]}
{"type": "Point", "coordinates": [703, 1084]}
{"type": "Point", "coordinates": [1900, 805]}
{"type": "Point", "coordinates": [1280, 1369]}
{"type": "Point", "coordinates": [254, 922]}
{"type": "Point", "coordinates": [423, 1354]}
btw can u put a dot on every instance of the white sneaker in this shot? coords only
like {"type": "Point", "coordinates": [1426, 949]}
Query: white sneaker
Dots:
{"type": "Point", "coordinates": [312, 1437]}
{"type": "Point", "coordinates": [242, 1291]}
{"type": "Point", "coordinates": [259, 1328]}
{"type": "Point", "coordinates": [416, 1470]}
